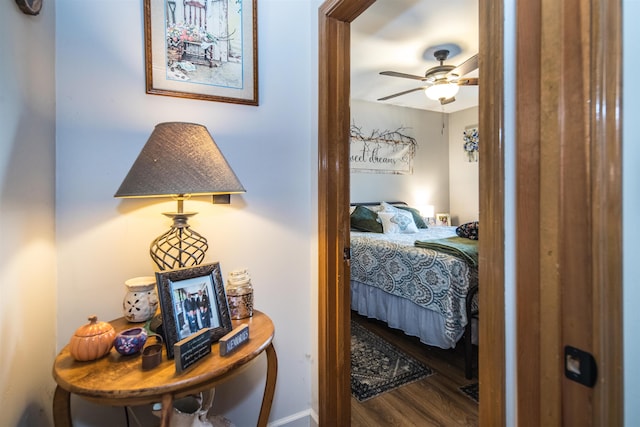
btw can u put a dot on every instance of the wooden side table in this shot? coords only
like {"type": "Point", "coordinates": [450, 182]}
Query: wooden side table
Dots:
{"type": "Point", "coordinates": [118, 380]}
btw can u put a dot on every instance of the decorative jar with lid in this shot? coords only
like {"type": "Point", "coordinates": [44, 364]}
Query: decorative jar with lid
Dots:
{"type": "Point", "coordinates": [240, 294]}
{"type": "Point", "coordinates": [92, 340]}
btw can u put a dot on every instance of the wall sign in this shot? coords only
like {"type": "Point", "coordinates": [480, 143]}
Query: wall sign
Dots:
{"type": "Point", "coordinates": [381, 151]}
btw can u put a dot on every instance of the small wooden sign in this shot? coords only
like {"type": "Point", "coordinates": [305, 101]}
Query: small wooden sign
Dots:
{"type": "Point", "coordinates": [234, 340]}
{"type": "Point", "coordinates": [192, 349]}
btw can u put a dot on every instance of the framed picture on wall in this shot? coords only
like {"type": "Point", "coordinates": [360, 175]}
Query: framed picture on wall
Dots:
{"type": "Point", "coordinates": [443, 219]}
{"type": "Point", "coordinates": [202, 50]}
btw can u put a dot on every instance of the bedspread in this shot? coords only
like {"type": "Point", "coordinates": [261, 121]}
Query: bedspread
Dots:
{"type": "Point", "coordinates": [434, 280]}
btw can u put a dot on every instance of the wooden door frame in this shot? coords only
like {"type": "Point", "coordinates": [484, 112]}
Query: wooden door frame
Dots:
{"type": "Point", "coordinates": [334, 394]}
{"type": "Point", "coordinates": [569, 202]}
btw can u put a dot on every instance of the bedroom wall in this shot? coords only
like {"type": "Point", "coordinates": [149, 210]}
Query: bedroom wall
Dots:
{"type": "Point", "coordinates": [463, 176]}
{"type": "Point", "coordinates": [27, 176]}
{"type": "Point", "coordinates": [104, 118]}
{"type": "Point", "coordinates": [429, 183]}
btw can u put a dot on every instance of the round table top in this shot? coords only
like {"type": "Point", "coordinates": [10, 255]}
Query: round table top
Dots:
{"type": "Point", "coordinates": [114, 377]}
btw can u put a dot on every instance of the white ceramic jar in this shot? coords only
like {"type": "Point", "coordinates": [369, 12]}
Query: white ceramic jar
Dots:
{"type": "Point", "coordinates": [141, 300]}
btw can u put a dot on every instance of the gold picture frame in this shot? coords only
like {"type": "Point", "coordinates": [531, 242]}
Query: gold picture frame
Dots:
{"type": "Point", "coordinates": [202, 50]}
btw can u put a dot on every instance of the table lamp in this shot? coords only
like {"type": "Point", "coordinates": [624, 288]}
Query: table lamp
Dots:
{"type": "Point", "coordinates": [180, 160]}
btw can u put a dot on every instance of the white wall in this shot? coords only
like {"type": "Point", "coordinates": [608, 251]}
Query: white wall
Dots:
{"type": "Point", "coordinates": [463, 174]}
{"type": "Point", "coordinates": [429, 183]}
{"type": "Point", "coordinates": [104, 118]}
{"type": "Point", "coordinates": [630, 209]}
{"type": "Point", "coordinates": [27, 266]}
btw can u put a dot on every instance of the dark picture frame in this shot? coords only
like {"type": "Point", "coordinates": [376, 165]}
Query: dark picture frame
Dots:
{"type": "Point", "coordinates": [192, 299]}
{"type": "Point", "coordinates": [202, 50]}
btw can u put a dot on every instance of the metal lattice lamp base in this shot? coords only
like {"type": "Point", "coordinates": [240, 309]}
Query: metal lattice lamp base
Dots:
{"type": "Point", "coordinates": [180, 246]}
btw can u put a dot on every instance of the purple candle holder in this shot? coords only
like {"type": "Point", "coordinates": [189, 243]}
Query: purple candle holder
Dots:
{"type": "Point", "coordinates": [130, 341]}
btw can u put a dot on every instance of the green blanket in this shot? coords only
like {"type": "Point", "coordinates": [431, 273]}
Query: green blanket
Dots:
{"type": "Point", "coordinates": [460, 247]}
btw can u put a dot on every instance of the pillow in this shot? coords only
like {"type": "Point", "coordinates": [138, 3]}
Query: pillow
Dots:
{"type": "Point", "coordinates": [417, 217]}
{"type": "Point", "coordinates": [363, 219]}
{"type": "Point", "coordinates": [415, 213]}
{"type": "Point", "coordinates": [386, 207]}
{"type": "Point", "coordinates": [468, 230]}
{"type": "Point", "coordinates": [397, 222]}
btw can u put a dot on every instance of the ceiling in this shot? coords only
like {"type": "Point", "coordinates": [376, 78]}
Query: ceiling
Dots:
{"type": "Point", "coordinates": [401, 35]}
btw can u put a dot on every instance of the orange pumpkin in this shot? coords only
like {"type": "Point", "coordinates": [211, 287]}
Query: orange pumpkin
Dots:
{"type": "Point", "coordinates": [92, 340]}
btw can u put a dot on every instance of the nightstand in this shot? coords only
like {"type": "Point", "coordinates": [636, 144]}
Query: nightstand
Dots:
{"type": "Point", "coordinates": [118, 380]}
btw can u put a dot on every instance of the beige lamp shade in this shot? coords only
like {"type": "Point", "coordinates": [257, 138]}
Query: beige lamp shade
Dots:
{"type": "Point", "coordinates": [179, 159]}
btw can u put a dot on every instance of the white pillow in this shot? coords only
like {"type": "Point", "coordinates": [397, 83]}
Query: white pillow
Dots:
{"type": "Point", "coordinates": [398, 221]}
{"type": "Point", "coordinates": [386, 207]}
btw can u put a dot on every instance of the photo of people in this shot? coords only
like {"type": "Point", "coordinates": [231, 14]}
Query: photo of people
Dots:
{"type": "Point", "coordinates": [193, 310]}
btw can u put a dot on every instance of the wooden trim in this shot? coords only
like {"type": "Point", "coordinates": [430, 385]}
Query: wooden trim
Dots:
{"type": "Point", "coordinates": [333, 199]}
{"type": "Point", "coordinates": [606, 210]}
{"type": "Point", "coordinates": [528, 246]}
{"type": "Point", "coordinates": [569, 209]}
{"type": "Point", "coordinates": [491, 246]}
{"type": "Point", "coordinates": [333, 215]}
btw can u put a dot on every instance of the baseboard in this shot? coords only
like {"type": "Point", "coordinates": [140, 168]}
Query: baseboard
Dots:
{"type": "Point", "coordinates": [307, 418]}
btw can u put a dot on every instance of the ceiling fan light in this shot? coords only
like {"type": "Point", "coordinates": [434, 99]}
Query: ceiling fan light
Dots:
{"type": "Point", "coordinates": [441, 90]}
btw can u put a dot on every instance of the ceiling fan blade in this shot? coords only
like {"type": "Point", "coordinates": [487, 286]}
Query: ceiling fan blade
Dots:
{"type": "Point", "coordinates": [403, 75]}
{"type": "Point", "coordinates": [446, 101]}
{"type": "Point", "coordinates": [468, 81]}
{"type": "Point", "coordinates": [402, 93]}
{"type": "Point", "coordinates": [466, 67]}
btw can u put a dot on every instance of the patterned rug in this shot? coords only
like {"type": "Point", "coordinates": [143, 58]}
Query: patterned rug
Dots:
{"type": "Point", "coordinates": [377, 366]}
{"type": "Point", "coordinates": [471, 391]}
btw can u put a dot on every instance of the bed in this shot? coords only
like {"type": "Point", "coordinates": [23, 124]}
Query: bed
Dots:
{"type": "Point", "coordinates": [413, 282]}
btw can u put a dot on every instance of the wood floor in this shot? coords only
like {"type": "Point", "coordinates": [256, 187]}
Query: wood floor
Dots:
{"type": "Point", "coordinates": [432, 401]}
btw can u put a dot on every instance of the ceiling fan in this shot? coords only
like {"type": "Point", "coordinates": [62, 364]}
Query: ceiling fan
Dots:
{"type": "Point", "coordinates": [442, 80]}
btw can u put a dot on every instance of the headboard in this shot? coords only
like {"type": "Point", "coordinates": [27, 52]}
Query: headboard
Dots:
{"type": "Point", "coordinates": [375, 203]}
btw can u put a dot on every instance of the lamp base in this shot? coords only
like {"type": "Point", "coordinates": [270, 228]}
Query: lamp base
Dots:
{"type": "Point", "coordinates": [180, 246]}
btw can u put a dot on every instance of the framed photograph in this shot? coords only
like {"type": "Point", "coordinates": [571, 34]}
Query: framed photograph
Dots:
{"type": "Point", "coordinates": [443, 219]}
{"type": "Point", "coordinates": [192, 299]}
{"type": "Point", "coordinates": [202, 49]}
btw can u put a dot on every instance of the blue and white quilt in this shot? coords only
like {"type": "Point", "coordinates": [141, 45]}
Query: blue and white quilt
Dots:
{"type": "Point", "coordinates": [431, 279]}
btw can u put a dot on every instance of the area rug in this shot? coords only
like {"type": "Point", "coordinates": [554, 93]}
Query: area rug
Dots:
{"type": "Point", "coordinates": [377, 366]}
{"type": "Point", "coordinates": [471, 391]}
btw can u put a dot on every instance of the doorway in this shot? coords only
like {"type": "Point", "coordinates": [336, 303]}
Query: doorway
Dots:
{"type": "Point", "coordinates": [333, 202]}
{"type": "Point", "coordinates": [589, 288]}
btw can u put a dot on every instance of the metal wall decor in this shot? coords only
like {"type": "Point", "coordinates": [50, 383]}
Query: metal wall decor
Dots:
{"type": "Point", "coordinates": [471, 140]}
{"type": "Point", "coordinates": [387, 151]}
